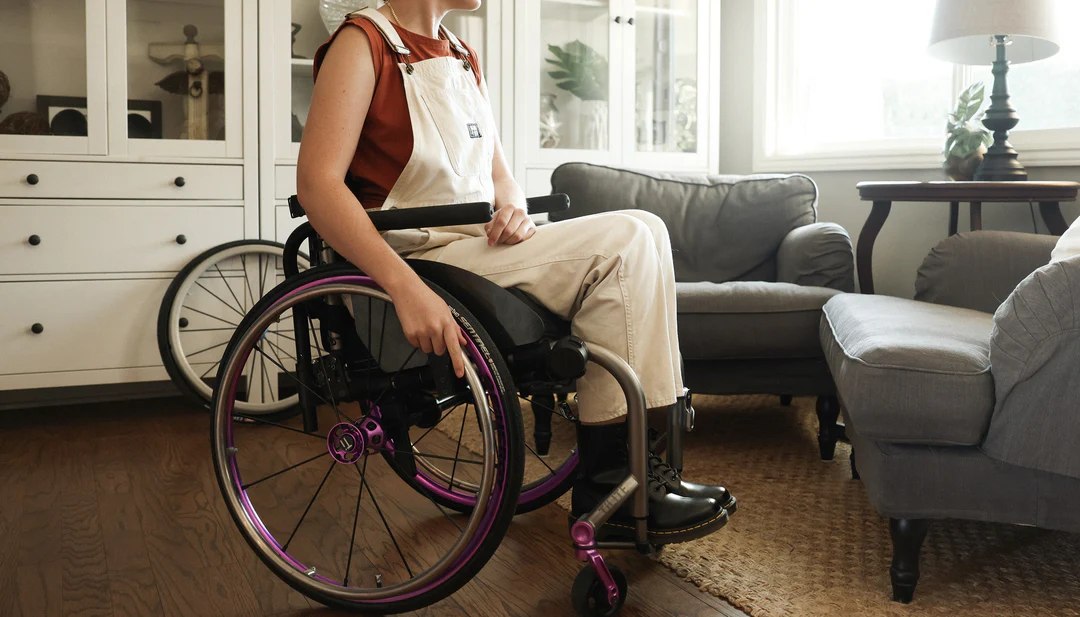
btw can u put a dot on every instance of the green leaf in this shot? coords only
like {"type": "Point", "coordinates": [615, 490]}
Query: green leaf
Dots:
{"type": "Point", "coordinates": [559, 74]}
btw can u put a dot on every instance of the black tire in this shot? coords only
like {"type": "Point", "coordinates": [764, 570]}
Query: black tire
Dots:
{"type": "Point", "coordinates": [514, 467]}
{"type": "Point", "coordinates": [590, 597]}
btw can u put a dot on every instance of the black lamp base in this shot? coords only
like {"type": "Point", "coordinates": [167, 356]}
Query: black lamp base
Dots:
{"type": "Point", "coordinates": [1000, 164]}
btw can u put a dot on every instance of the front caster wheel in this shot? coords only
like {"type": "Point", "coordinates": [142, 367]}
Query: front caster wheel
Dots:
{"type": "Point", "coordinates": [590, 597]}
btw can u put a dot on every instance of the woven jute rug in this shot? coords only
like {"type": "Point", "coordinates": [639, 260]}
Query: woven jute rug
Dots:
{"type": "Point", "coordinates": [807, 542]}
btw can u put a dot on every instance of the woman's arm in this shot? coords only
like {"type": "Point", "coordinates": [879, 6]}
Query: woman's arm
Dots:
{"type": "Point", "coordinates": [339, 106]}
{"type": "Point", "coordinates": [511, 223]}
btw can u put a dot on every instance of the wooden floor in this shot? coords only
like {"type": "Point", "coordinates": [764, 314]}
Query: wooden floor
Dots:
{"type": "Point", "coordinates": [113, 510]}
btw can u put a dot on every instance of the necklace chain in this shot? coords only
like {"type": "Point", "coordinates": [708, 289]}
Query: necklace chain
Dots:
{"type": "Point", "coordinates": [394, 13]}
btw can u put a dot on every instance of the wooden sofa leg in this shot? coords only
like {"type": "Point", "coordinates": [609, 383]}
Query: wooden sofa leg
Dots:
{"type": "Point", "coordinates": [828, 412]}
{"type": "Point", "coordinates": [907, 538]}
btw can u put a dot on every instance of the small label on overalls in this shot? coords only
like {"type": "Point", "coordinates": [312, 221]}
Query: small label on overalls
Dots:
{"type": "Point", "coordinates": [474, 131]}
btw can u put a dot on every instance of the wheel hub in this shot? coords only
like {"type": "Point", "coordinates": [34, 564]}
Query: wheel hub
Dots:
{"type": "Point", "coordinates": [346, 443]}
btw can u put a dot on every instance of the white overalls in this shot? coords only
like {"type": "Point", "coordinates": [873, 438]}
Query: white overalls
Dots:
{"type": "Point", "coordinates": [610, 274]}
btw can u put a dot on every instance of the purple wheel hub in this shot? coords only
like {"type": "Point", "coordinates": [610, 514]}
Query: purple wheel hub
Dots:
{"type": "Point", "coordinates": [346, 443]}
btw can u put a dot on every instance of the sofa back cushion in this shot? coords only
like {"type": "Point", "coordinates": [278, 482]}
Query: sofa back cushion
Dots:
{"type": "Point", "coordinates": [723, 228]}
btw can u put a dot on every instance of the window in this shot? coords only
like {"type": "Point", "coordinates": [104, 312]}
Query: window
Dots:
{"type": "Point", "coordinates": [849, 84]}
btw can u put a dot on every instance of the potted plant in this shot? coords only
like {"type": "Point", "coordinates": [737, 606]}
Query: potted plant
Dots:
{"type": "Point", "coordinates": [967, 137]}
{"type": "Point", "coordinates": [583, 72]}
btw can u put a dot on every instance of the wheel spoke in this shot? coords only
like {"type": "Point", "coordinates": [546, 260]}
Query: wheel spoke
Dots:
{"type": "Point", "coordinates": [262, 380]}
{"type": "Point", "coordinates": [289, 468]}
{"type": "Point", "coordinates": [306, 387]}
{"type": "Point", "coordinates": [363, 482]}
{"type": "Point", "coordinates": [229, 287]}
{"type": "Point", "coordinates": [400, 368]}
{"type": "Point", "coordinates": [285, 546]}
{"type": "Point", "coordinates": [262, 278]}
{"type": "Point", "coordinates": [457, 452]}
{"type": "Point", "coordinates": [539, 458]}
{"type": "Point", "coordinates": [434, 456]}
{"type": "Point", "coordinates": [216, 362]}
{"type": "Point", "coordinates": [282, 426]}
{"type": "Point", "coordinates": [356, 516]}
{"type": "Point", "coordinates": [447, 415]}
{"type": "Point", "coordinates": [247, 283]}
{"type": "Point", "coordinates": [274, 346]}
{"type": "Point", "coordinates": [231, 307]}
{"type": "Point", "coordinates": [192, 355]}
{"type": "Point", "coordinates": [225, 321]}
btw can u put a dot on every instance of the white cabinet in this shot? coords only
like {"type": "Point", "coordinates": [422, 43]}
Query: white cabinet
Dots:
{"type": "Point", "coordinates": [128, 145]}
{"type": "Point", "coordinates": [620, 82]}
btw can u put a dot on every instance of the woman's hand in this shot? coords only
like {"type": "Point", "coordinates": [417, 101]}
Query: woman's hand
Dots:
{"type": "Point", "coordinates": [428, 323]}
{"type": "Point", "coordinates": [510, 225]}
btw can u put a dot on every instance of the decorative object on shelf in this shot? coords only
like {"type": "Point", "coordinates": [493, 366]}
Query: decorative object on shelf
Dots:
{"type": "Point", "coordinates": [967, 140]}
{"type": "Point", "coordinates": [5, 89]}
{"type": "Point", "coordinates": [193, 81]}
{"type": "Point", "coordinates": [333, 12]}
{"type": "Point", "coordinates": [24, 123]}
{"type": "Point", "coordinates": [583, 72]}
{"type": "Point", "coordinates": [66, 115]}
{"type": "Point", "coordinates": [979, 32]}
{"type": "Point", "coordinates": [549, 121]}
{"type": "Point", "coordinates": [295, 30]}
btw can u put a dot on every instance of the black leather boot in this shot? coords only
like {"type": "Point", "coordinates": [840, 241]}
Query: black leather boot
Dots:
{"type": "Point", "coordinates": [604, 462]}
{"type": "Point", "coordinates": [675, 484]}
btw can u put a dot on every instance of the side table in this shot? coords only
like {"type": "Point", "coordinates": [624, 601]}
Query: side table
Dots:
{"type": "Point", "coordinates": [1047, 194]}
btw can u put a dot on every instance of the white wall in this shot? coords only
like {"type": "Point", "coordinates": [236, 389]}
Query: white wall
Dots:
{"type": "Point", "coordinates": [912, 229]}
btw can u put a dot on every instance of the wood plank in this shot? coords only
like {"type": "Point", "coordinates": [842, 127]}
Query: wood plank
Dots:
{"type": "Point", "coordinates": [40, 589]}
{"type": "Point", "coordinates": [134, 593]}
{"type": "Point", "coordinates": [85, 574]}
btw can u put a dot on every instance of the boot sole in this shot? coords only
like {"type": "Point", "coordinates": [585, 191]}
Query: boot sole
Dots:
{"type": "Point", "coordinates": [625, 533]}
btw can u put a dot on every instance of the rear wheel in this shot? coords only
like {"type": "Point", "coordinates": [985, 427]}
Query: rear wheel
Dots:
{"type": "Point", "coordinates": [323, 506]}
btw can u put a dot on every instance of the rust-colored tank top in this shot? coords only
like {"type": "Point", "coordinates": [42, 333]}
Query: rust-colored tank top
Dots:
{"type": "Point", "coordinates": [386, 141]}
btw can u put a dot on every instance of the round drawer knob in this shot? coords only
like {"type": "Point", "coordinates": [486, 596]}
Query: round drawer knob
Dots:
{"type": "Point", "coordinates": [37, 328]}
{"type": "Point", "coordinates": [32, 179]}
{"type": "Point", "coordinates": [179, 181]}
{"type": "Point", "coordinates": [34, 240]}
{"type": "Point", "coordinates": [184, 322]}
{"type": "Point", "coordinates": [618, 19]}
{"type": "Point", "coordinates": [630, 21]}
{"type": "Point", "coordinates": [181, 239]}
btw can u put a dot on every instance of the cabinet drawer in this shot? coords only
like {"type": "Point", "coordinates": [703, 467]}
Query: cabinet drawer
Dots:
{"type": "Point", "coordinates": [86, 325]}
{"type": "Point", "coordinates": [86, 239]}
{"type": "Point", "coordinates": [51, 179]}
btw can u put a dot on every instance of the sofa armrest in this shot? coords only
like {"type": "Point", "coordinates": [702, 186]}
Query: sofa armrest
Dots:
{"type": "Point", "coordinates": [817, 255]}
{"type": "Point", "coordinates": [978, 270]}
{"type": "Point", "coordinates": [1035, 360]}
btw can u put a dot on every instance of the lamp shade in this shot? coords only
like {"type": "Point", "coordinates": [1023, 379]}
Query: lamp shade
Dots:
{"type": "Point", "coordinates": [963, 29]}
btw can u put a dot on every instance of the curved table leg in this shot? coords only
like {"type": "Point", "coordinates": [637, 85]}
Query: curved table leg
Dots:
{"type": "Point", "coordinates": [1051, 215]}
{"type": "Point", "coordinates": [864, 254]}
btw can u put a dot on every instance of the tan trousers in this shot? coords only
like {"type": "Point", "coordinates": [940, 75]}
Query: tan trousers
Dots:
{"type": "Point", "coordinates": [609, 274]}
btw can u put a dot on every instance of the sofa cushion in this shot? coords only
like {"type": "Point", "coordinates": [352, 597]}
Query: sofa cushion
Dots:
{"type": "Point", "coordinates": [910, 372]}
{"type": "Point", "coordinates": [722, 228]}
{"type": "Point", "coordinates": [749, 320]}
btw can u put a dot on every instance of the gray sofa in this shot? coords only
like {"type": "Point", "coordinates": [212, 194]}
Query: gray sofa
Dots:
{"type": "Point", "coordinates": [753, 269]}
{"type": "Point", "coordinates": [965, 402]}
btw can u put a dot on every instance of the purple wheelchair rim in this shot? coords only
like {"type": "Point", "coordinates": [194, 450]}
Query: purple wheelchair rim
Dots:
{"type": "Point", "coordinates": [496, 495]}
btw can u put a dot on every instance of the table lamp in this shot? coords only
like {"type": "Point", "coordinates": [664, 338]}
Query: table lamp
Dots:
{"type": "Point", "coordinates": [996, 32]}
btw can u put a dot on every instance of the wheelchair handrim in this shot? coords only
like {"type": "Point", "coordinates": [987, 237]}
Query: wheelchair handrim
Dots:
{"type": "Point", "coordinates": [479, 523]}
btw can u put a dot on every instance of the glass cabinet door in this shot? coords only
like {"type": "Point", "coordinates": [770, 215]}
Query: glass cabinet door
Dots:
{"type": "Point", "coordinates": [309, 24]}
{"type": "Point", "coordinates": [182, 77]}
{"type": "Point", "coordinates": [671, 53]}
{"type": "Point", "coordinates": [575, 81]}
{"type": "Point", "coordinates": [52, 76]}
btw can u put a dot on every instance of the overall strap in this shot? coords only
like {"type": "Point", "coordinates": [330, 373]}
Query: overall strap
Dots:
{"type": "Point", "coordinates": [454, 42]}
{"type": "Point", "coordinates": [393, 39]}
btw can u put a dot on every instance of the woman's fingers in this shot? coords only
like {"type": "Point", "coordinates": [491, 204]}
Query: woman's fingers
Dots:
{"type": "Point", "coordinates": [453, 346]}
{"type": "Point", "coordinates": [498, 224]}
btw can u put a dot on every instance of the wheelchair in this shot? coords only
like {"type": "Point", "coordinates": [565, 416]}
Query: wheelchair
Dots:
{"type": "Point", "coordinates": [362, 500]}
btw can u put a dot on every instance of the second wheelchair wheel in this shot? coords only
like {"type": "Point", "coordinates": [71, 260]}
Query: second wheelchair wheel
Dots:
{"type": "Point", "coordinates": [201, 309]}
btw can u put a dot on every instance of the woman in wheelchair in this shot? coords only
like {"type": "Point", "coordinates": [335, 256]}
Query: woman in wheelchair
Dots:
{"type": "Point", "coordinates": [400, 118]}
{"type": "Point", "coordinates": [437, 311]}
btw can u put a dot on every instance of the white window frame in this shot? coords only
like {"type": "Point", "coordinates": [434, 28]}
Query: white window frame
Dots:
{"type": "Point", "coordinates": [1038, 148]}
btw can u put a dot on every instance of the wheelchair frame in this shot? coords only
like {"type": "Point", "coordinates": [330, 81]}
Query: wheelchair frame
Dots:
{"type": "Point", "coordinates": [509, 320]}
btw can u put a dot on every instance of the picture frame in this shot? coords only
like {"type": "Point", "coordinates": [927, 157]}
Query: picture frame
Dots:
{"type": "Point", "coordinates": [66, 115]}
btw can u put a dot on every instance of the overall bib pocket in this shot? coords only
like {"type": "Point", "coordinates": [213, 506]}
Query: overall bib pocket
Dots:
{"type": "Point", "coordinates": [464, 132]}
